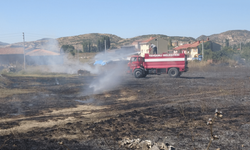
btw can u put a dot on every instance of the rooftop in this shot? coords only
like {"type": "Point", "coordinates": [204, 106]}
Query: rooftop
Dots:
{"type": "Point", "coordinates": [41, 52]}
{"type": "Point", "coordinates": [11, 50]}
{"type": "Point", "coordinates": [185, 46]}
{"type": "Point", "coordinates": [19, 50]}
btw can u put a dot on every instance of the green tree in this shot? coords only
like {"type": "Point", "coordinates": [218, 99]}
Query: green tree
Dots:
{"type": "Point", "coordinates": [101, 43]}
{"type": "Point", "coordinates": [170, 42]}
{"type": "Point", "coordinates": [207, 46]}
{"type": "Point", "coordinates": [245, 51]}
{"type": "Point", "coordinates": [107, 42]}
{"type": "Point", "coordinates": [227, 42]}
{"type": "Point", "coordinates": [68, 49]}
{"type": "Point", "coordinates": [96, 46]}
{"type": "Point", "coordinates": [86, 46]}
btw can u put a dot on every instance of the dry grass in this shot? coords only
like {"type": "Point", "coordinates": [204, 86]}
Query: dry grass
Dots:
{"type": "Point", "coordinates": [82, 57]}
{"type": "Point", "coordinates": [197, 64]}
{"type": "Point", "coordinates": [9, 92]}
{"type": "Point", "coordinates": [38, 71]}
{"type": "Point", "coordinates": [41, 75]}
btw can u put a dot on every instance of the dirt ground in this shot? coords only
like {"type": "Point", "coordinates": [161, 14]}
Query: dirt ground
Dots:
{"type": "Point", "coordinates": [55, 114]}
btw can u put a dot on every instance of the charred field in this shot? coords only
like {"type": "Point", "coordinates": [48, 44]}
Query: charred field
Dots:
{"type": "Point", "coordinates": [62, 113]}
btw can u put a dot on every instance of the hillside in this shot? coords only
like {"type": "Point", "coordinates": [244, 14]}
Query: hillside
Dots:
{"type": "Point", "coordinates": [116, 41]}
{"type": "Point", "coordinates": [234, 36]}
{"type": "Point", "coordinates": [76, 41]}
{"type": "Point", "coordinates": [130, 40]}
{"type": "Point", "coordinates": [3, 44]}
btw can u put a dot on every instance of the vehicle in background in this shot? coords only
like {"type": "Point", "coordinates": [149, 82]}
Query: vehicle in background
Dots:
{"type": "Point", "coordinates": [197, 57]}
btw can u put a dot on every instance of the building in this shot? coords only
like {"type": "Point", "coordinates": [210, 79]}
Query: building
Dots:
{"type": "Point", "coordinates": [174, 43]}
{"type": "Point", "coordinates": [43, 57]}
{"type": "Point", "coordinates": [15, 56]}
{"type": "Point", "coordinates": [189, 49]}
{"type": "Point", "coordinates": [192, 49]}
{"type": "Point", "coordinates": [11, 55]}
{"type": "Point", "coordinates": [143, 45]}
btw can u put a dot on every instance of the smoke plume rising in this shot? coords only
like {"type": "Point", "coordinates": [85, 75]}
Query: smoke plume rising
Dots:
{"type": "Point", "coordinates": [107, 77]}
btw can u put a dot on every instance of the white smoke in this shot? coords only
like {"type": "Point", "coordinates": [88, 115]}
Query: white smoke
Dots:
{"type": "Point", "coordinates": [51, 45]}
{"type": "Point", "coordinates": [107, 77]}
{"type": "Point", "coordinates": [111, 74]}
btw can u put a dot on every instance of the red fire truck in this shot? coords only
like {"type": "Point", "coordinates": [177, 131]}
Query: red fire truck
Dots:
{"type": "Point", "coordinates": [172, 64]}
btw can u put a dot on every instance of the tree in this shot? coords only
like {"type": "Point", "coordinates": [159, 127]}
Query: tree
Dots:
{"type": "Point", "coordinates": [207, 46]}
{"type": "Point", "coordinates": [170, 42]}
{"type": "Point", "coordinates": [245, 52]}
{"type": "Point", "coordinates": [92, 46]}
{"type": "Point", "coordinates": [68, 49]}
{"type": "Point", "coordinates": [101, 43]}
{"type": "Point", "coordinates": [227, 42]}
{"type": "Point", "coordinates": [86, 46]}
{"type": "Point", "coordinates": [107, 42]}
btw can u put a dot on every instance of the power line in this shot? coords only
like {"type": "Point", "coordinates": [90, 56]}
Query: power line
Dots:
{"type": "Point", "coordinates": [10, 33]}
{"type": "Point", "coordinates": [40, 34]}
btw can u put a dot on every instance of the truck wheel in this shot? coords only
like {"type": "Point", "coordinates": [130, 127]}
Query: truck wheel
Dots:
{"type": "Point", "coordinates": [173, 72]}
{"type": "Point", "coordinates": [138, 73]}
{"type": "Point", "coordinates": [144, 74]}
{"type": "Point", "coordinates": [179, 74]}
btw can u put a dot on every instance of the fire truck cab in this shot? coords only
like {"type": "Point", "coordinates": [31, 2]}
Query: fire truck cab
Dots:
{"type": "Point", "coordinates": [172, 64]}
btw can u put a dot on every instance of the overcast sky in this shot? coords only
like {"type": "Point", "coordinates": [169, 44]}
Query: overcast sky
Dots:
{"type": "Point", "coordinates": [125, 18]}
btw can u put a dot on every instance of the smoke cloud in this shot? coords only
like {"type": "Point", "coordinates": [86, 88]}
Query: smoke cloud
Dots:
{"type": "Point", "coordinates": [110, 75]}
{"type": "Point", "coordinates": [107, 77]}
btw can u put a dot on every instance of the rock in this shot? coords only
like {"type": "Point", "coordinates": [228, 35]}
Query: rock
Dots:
{"type": "Point", "coordinates": [171, 148]}
{"type": "Point", "coordinates": [132, 144]}
{"type": "Point", "coordinates": [145, 145]}
{"type": "Point", "coordinates": [138, 144]}
{"type": "Point", "coordinates": [162, 146]}
{"type": "Point", "coordinates": [155, 148]}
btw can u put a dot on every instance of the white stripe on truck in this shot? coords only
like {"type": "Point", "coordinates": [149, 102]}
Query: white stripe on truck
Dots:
{"type": "Point", "coordinates": [164, 59]}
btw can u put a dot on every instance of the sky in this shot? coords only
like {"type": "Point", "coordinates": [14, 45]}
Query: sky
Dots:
{"type": "Point", "coordinates": [39, 19]}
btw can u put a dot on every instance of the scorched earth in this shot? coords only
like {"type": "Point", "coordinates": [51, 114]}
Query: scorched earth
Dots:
{"type": "Point", "coordinates": [56, 113]}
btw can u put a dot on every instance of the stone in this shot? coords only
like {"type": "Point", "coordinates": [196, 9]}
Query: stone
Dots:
{"type": "Point", "coordinates": [154, 147]}
{"type": "Point", "coordinates": [162, 146]}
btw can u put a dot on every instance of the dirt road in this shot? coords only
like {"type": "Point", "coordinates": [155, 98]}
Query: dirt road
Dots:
{"type": "Point", "coordinates": [157, 108]}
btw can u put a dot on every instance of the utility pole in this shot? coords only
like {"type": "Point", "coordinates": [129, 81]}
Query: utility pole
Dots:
{"type": "Point", "coordinates": [105, 45]}
{"type": "Point", "coordinates": [78, 56]}
{"type": "Point", "coordinates": [24, 64]}
{"type": "Point", "coordinates": [157, 44]}
{"type": "Point", "coordinates": [202, 50]}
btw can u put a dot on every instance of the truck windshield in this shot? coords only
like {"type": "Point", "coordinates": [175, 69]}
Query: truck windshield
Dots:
{"type": "Point", "coordinates": [133, 59]}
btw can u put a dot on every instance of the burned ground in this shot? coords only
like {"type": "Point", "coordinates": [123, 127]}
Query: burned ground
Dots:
{"type": "Point", "coordinates": [58, 113]}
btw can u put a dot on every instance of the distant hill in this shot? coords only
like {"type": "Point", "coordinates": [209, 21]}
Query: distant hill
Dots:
{"type": "Point", "coordinates": [76, 41]}
{"type": "Point", "coordinates": [3, 44]}
{"type": "Point", "coordinates": [116, 41]}
{"type": "Point", "coordinates": [234, 36]}
{"type": "Point", "coordinates": [131, 40]}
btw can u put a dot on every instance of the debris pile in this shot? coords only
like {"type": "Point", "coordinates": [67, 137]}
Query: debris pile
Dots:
{"type": "Point", "coordinates": [144, 145]}
{"type": "Point", "coordinates": [83, 72]}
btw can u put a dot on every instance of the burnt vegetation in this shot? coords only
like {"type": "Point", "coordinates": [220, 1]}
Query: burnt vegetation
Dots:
{"type": "Point", "coordinates": [156, 110]}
